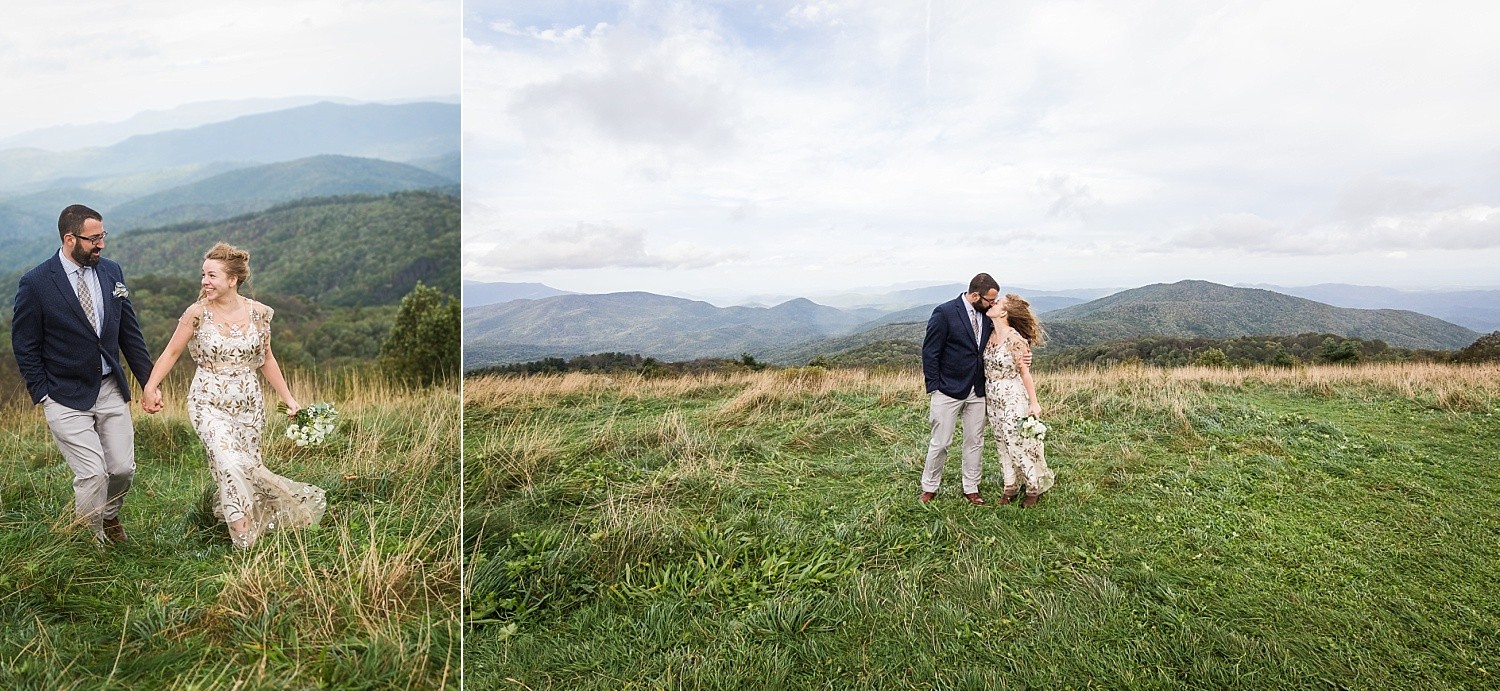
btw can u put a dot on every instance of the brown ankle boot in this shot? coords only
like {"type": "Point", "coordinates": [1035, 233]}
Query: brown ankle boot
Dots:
{"type": "Point", "coordinates": [114, 530]}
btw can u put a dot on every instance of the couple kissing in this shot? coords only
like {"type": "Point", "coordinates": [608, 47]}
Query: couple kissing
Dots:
{"type": "Point", "coordinates": [976, 362]}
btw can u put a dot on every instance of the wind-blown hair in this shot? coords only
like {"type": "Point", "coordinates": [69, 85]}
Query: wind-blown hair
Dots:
{"type": "Point", "coordinates": [1018, 315]}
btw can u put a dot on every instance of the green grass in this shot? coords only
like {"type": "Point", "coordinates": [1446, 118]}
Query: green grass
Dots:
{"type": "Point", "coordinates": [368, 600]}
{"type": "Point", "coordinates": [1314, 528]}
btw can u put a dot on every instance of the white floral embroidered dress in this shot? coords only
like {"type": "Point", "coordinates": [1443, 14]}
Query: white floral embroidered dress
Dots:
{"type": "Point", "coordinates": [228, 412]}
{"type": "Point", "coordinates": [1005, 404]}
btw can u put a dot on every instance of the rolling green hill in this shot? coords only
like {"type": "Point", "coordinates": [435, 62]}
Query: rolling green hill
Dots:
{"type": "Point", "coordinates": [256, 188]}
{"type": "Point", "coordinates": [345, 251]}
{"type": "Point", "coordinates": [449, 165]}
{"type": "Point", "coordinates": [1199, 309]}
{"type": "Point", "coordinates": [1476, 309]}
{"type": "Point", "coordinates": [907, 335]}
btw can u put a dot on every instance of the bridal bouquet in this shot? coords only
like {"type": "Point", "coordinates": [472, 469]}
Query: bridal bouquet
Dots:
{"type": "Point", "coordinates": [311, 425]}
{"type": "Point", "coordinates": [1032, 428]}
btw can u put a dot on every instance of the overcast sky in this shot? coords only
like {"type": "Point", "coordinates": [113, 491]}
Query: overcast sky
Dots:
{"type": "Point", "coordinates": [92, 61]}
{"type": "Point", "coordinates": [722, 148]}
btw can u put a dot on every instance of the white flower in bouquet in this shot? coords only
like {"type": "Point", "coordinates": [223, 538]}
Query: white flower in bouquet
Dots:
{"type": "Point", "coordinates": [1032, 428]}
{"type": "Point", "coordinates": [311, 425]}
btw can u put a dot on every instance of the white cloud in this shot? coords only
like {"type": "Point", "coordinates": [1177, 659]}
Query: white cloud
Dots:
{"type": "Point", "coordinates": [1462, 228]}
{"type": "Point", "coordinates": [879, 140]}
{"type": "Point", "coordinates": [1069, 195]}
{"type": "Point", "coordinates": [552, 34]}
{"type": "Point", "coordinates": [642, 104]}
{"type": "Point", "coordinates": [1372, 197]}
{"type": "Point", "coordinates": [593, 246]}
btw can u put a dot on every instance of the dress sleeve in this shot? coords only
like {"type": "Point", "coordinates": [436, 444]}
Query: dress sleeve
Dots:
{"type": "Point", "coordinates": [265, 327]}
{"type": "Point", "coordinates": [192, 315]}
{"type": "Point", "coordinates": [1018, 348]}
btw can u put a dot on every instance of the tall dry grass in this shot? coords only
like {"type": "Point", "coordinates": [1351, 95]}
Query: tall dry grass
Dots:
{"type": "Point", "coordinates": [501, 391]}
{"type": "Point", "coordinates": [1446, 386]}
{"type": "Point", "coordinates": [372, 593]}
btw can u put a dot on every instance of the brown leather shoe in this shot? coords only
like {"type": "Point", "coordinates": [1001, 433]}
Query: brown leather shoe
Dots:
{"type": "Point", "coordinates": [1008, 497]}
{"type": "Point", "coordinates": [974, 498]}
{"type": "Point", "coordinates": [926, 497]}
{"type": "Point", "coordinates": [114, 530]}
{"type": "Point", "coordinates": [1030, 500]}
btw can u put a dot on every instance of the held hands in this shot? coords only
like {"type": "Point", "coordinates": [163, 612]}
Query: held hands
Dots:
{"type": "Point", "coordinates": [1036, 410]}
{"type": "Point", "coordinates": [151, 400]}
{"type": "Point", "coordinates": [292, 406]}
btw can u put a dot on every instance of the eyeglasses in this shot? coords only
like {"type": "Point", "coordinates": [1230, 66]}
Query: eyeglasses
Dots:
{"type": "Point", "coordinates": [93, 239]}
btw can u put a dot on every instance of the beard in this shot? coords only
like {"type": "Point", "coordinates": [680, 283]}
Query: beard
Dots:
{"type": "Point", "coordinates": [83, 257]}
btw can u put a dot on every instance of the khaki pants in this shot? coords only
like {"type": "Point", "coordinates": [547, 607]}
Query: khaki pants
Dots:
{"type": "Point", "coordinates": [944, 415]}
{"type": "Point", "coordinates": [99, 445]}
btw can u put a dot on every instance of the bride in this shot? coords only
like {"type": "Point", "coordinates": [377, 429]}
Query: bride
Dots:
{"type": "Point", "coordinates": [1011, 397]}
{"type": "Point", "coordinates": [229, 337]}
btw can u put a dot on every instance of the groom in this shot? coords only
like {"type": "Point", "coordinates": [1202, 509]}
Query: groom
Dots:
{"type": "Point", "coordinates": [72, 321]}
{"type": "Point", "coordinates": [953, 366]}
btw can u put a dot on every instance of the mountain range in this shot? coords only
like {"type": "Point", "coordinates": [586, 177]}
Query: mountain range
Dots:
{"type": "Point", "coordinates": [1476, 309]}
{"type": "Point", "coordinates": [656, 325]}
{"type": "Point", "coordinates": [478, 294]}
{"type": "Point", "coordinates": [99, 134]}
{"type": "Point", "coordinates": [259, 187]}
{"type": "Point", "coordinates": [219, 170]}
{"type": "Point", "coordinates": [391, 132]}
{"type": "Point", "coordinates": [797, 330]}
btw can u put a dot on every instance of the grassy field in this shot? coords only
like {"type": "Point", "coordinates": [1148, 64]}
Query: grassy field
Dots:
{"type": "Point", "coordinates": [368, 600]}
{"type": "Point", "coordinates": [1323, 527]}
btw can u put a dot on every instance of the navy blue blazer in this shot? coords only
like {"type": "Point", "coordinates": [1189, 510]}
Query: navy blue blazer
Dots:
{"type": "Point", "coordinates": [951, 361]}
{"type": "Point", "coordinates": [55, 347]}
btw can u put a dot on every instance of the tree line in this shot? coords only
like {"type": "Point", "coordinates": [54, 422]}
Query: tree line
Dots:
{"type": "Point", "coordinates": [1243, 351]}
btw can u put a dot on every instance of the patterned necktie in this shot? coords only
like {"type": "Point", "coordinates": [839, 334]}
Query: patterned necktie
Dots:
{"type": "Point", "coordinates": [974, 319]}
{"type": "Point", "coordinates": [86, 298]}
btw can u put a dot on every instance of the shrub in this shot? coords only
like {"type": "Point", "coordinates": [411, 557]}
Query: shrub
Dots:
{"type": "Point", "coordinates": [1484, 349]}
{"type": "Point", "coordinates": [1212, 357]}
{"type": "Point", "coordinates": [423, 346]}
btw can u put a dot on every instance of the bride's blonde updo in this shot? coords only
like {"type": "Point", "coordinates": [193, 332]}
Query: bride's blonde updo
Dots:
{"type": "Point", "coordinates": [235, 260]}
